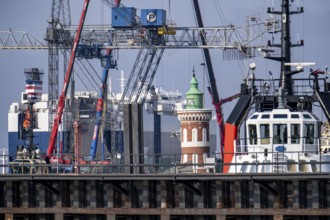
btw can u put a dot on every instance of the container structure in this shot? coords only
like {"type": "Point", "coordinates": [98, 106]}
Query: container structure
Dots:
{"type": "Point", "coordinates": [153, 18]}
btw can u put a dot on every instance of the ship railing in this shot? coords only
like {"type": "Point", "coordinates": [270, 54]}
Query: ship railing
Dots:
{"type": "Point", "coordinates": [301, 86]}
{"type": "Point", "coordinates": [270, 162]}
{"type": "Point", "coordinates": [254, 144]}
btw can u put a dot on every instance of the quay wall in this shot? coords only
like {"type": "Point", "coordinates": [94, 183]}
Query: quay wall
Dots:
{"type": "Point", "coordinates": [168, 197]}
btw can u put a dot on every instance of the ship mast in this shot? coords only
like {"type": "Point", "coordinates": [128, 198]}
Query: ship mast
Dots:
{"type": "Point", "coordinates": [286, 45]}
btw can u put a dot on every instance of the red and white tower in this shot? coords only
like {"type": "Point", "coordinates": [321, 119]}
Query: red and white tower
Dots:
{"type": "Point", "coordinates": [195, 141]}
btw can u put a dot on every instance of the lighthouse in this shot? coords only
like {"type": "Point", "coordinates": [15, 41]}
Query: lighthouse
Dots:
{"type": "Point", "coordinates": [194, 119]}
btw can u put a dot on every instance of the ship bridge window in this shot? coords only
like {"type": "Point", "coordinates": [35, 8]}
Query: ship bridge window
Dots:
{"type": "Point", "coordinates": [307, 116]}
{"type": "Point", "coordinates": [265, 116]}
{"type": "Point", "coordinates": [294, 116]}
{"type": "Point", "coordinates": [280, 116]}
{"type": "Point", "coordinates": [264, 134]}
{"type": "Point", "coordinates": [280, 134]}
{"type": "Point", "coordinates": [295, 133]}
{"type": "Point", "coordinates": [254, 116]}
{"type": "Point", "coordinates": [309, 133]}
{"type": "Point", "coordinates": [253, 133]}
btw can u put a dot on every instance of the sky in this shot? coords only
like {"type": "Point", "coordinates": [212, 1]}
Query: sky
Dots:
{"type": "Point", "coordinates": [175, 70]}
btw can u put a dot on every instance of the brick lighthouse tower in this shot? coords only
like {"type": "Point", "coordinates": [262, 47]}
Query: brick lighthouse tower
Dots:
{"type": "Point", "coordinates": [195, 142]}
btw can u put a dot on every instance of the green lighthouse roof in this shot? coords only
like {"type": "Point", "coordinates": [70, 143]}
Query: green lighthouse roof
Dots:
{"type": "Point", "coordinates": [194, 96]}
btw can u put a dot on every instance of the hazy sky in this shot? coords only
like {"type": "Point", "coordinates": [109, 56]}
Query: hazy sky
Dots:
{"type": "Point", "coordinates": [175, 70]}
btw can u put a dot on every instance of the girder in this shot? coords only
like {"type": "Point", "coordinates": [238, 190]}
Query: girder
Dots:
{"type": "Point", "coordinates": [19, 40]}
{"type": "Point", "coordinates": [135, 38]}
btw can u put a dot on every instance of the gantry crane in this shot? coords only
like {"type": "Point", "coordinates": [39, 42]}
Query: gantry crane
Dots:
{"type": "Point", "coordinates": [56, 37]}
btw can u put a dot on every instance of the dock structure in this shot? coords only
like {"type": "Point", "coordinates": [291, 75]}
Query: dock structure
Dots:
{"type": "Point", "coordinates": [165, 196]}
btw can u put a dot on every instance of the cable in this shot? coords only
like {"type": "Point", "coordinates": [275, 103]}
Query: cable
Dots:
{"type": "Point", "coordinates": [220, 12]}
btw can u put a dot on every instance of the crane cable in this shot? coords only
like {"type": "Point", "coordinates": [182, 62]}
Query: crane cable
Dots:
{"type": "Point", "coordinates": [225, 23]}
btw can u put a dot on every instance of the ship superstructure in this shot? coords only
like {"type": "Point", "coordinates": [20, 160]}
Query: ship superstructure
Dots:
{"type": "Point", "coordinates": [282, 135]}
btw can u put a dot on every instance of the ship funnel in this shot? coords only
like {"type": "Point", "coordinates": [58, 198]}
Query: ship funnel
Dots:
{"type": "Point", "coordinates": [33, 81]}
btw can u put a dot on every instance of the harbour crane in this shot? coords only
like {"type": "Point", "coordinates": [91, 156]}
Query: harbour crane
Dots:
{"type": "Point", "coordinates": [56, 37]}
{"type": "Point", "coordinates": [61, 101]}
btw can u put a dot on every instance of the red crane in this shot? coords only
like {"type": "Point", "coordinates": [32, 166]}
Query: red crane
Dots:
{"type": "Point", "coordinates": [61, 101]}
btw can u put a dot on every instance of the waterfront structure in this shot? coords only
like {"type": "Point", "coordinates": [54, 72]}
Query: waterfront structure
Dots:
{"type": "Point", "coordinates": [194, 119]}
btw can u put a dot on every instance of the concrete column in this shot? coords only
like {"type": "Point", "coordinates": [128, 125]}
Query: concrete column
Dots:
{"type": "Point", "coordinates": [127, 199]}
{"type": "Point", "coordinates": [221, 217]}
{"type": "Point", "coordinates": [200, 199]}
{"type": "Point", "coordinates": [128, 140]}
{"type": "Point", "coordinates": [42, 196]}
{"type": "Point", "coordinates": [278, 217]}
{"type": "Point", "coordinates": [109, 198]}
{"type": "Point", "coordinates": [145, 194]}
{"type": "Point", "coordinates": [158, 194]}
{"type": "Point", "coordinates": [138, 143]}
{"type": "Point", "coordinates": [310, 193]}
{"type": "Point", "coordinates": [238, 194]}
{"type": "Point", "coordinates": [9, 194]}
{"type": "Point", "coordinates": [24, 194]}
{"type": "Point", "coordinates": [276, 203]}
{"type": "Point", "coordinates": [327, 191]}
{"type": "Point", "coordinates": [295, 194]}
{"type": "Point", "coordinates": [75, 194]}
{"type": "Point", "coordinates": [133, 137]}
{"type": "Point", "coordinates": [58, 216]}
{"type": "Point", "coordinates": [165, 217]}
{"type": "Point", "coordinates": [91, 195]}
{"type": "Point", "coordinates": [163, 194]}
{"type": "Point", "coordinates": [289, 199]}
{"type": "Point", "coordinates": [9, 216]}
{"type": "Point", "coordinates": [57, 198]}
{"type": "Point", "coordinates": [315, 194]}
{"type": "Point", "coordinates": [255, 191]}
{"type": "Point", "coordinates": [182, 202]}
{"type": "Point", "coordinates": [110, 217]}
{"type": "Point", "coordinates": [218, 193]}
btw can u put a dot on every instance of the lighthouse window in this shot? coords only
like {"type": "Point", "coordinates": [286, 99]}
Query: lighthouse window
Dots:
{"type": "Point", "coordinates": [194, 135]}
{"type": "Point", "coordinates": [295, 133]}
{"type": "Point", "coordinates": [253, 134]}
{"type": "Point", "coordinates": [205, 134]}
{"type": "Point", "coordinates": [264, 134]}
{"type": "Point", "coordinates": [280, 134]}
{"type": "Point", "coordinates": [184, 136]}
{"type": "Point", "coordinates": [309, 133]}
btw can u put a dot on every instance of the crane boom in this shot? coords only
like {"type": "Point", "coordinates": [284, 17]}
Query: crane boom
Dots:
{"type": "Point", "coordinates": [61, 102]}
{"type": "Point", "coordinates": [213, 86]}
